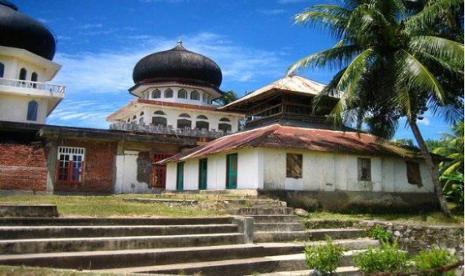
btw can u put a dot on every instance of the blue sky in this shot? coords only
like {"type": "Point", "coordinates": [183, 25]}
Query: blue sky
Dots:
{"type": "Point", "coordinates": [100, 41]}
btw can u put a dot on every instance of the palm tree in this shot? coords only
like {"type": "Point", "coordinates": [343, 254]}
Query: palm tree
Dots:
{"type": "Point", "coordinates": [451, 147]}
{"type": "Point", "coordinates": [393, 63]}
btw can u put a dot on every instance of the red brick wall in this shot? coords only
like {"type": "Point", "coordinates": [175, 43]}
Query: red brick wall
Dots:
{"type": "Point", "coordinates": [23, 167]}
{"type": "Point", "coordinates": [98, 170]}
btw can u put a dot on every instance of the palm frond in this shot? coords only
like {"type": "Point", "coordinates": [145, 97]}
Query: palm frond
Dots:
{"type": "Point", "coordinates": [446, 50]}
{"type": "Point", "coordinates": [433, 11]}
{"type": "Point", "coordinates": [414, 76]}
{"type": "Point", "coordinates": [335, 57]}
{"type": "Point", "coordinates": [332, 17]}
{"type": "Point", "coordinates": [348, 84]}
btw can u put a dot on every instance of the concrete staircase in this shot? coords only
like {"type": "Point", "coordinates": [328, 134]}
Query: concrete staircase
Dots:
{"type": "Point", "coordinates": [209, 246]}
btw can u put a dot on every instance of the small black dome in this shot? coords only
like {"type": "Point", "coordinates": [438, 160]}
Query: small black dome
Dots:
{"type": "Point", "coordinates": [21, 31]}
{"type": "Point", "coordinates": [178, 64]}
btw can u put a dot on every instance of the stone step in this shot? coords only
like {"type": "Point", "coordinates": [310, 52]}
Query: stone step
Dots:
{"type": "Point", "coordinates": [114, 221]}
{"type": "Point", "coordinates": [162, 256]}
{"type": "Point", "coordinates": [291, 226]}
{"type": "Point", "coordinates": [289, 262]}
{"type": "Point", "coordinates": [263, 211]}
{"type": "Point", "coordinates": [147, 257]}
{"type": "Point", "coordinates": [25, 246]}
{"type": "Point", "coordinates": [60, 231]}
{"type": "Point", "coordinates": [314, 234]}
{"type": "Point", "coordinates": [28, 210]}
{"type": "Point", "coordinates": [340, 271]}
{"type": "Point", "coordinates": [275, 218]}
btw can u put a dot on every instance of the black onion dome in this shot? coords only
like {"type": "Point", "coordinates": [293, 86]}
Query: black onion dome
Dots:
{"type": "Point", "coordinates": [21, 31]}
{"type": "Point", "coordinates": [178, 64]}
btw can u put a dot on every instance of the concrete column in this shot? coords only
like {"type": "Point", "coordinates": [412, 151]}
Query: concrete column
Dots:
{"type": "Point", "coordinates": [246, 227]}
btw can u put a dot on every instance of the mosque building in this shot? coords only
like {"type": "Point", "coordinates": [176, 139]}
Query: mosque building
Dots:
{"type": "Point", "coordinates": [172, 136]}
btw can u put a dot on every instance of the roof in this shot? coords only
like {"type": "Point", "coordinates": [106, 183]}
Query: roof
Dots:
{"type": "Point", "coordinates": [113, 116]}
{"type": "Point", "coordinates": [289, 137]}
{"type": "Point", "coordinates": [178, 64]}
{"type": "Point", "coordinates": [21, 31]}
{"type": "Point", "coordinates": [293, 83]}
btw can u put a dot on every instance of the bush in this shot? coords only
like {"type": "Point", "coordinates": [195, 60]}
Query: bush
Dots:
{"type": "Point", "coordinates": [434, 259]}
{"type": "Point", "coordinates": [387, 258]}
{"type": "Point", "coordinates": [324, 258]}
{"type": "Point", "coordinates": [379, 233]}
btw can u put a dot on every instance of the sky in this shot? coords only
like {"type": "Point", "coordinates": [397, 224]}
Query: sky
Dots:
{"type": "Point", "coordinates": [100, 41]}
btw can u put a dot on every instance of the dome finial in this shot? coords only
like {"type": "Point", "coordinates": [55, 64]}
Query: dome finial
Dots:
{"type": "Point", "coordinates": [179, 43]}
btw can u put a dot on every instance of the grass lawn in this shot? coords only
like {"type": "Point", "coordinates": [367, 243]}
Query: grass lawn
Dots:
{"type": "Point", "coordinates": [429, 218]}
{"type": "Point", "coordinates": [110, 206]}
{"type": "Point", "coordinates": [36, 271]}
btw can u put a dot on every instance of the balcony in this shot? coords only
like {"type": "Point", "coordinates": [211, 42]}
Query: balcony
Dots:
{"type": "Point", "coordinates": [53, 89]}
{"type": "Point", "coordinates": [152, 129]}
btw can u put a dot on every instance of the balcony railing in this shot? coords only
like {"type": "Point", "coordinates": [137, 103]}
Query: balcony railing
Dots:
{"type": "Point", "coordinates": [53, 89]}
{"type": "Point", "coordinates": [168, 130]}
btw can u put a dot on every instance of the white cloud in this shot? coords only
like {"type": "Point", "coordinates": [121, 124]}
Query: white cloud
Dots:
{"type": "Point", "coordinates": [111, 71]}
{"type": "Point", "coordinates": [425, 121]}
{"type": "Point", "coordinates": [291, 1]}
{"type": "Point", "coordinates": [272, 11]}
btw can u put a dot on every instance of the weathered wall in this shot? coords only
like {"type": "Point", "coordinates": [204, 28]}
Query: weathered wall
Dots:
{"type": "Point", "coordinates": [250, 172]}
{"type": "Point", "coordinates": [133, 172]}
{"type": "Point", "coordinates": [99, 167]}
{"type": "Point", "coordinates": [14, 108]}
{"type": "Point", "coordinates": [338, 172]}
{"type": "Point", "coordinates": [23, 167]}
{"type": "Point", "coordinates": [415, 237]}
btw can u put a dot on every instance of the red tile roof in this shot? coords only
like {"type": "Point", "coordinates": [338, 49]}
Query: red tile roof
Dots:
{"type": "Point", "coordinates": [279, 136]}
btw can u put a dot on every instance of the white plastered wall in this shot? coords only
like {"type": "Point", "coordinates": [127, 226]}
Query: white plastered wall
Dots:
{"type": "Point", "coordinates": [126, 174]}
{"type": "Point", "coordinates": [336, 171]}
{"type": "Point", "coordinates": [14, 108]}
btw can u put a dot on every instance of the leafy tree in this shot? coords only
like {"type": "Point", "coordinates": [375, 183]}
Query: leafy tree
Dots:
{"type": "Point", "coordinates": [227, 97]}
{"type": "Point", "coordinates": [393, 62]}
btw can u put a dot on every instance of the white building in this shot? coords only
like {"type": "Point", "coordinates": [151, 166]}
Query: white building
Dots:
{"type": "Point", "coordinates": [174, 93]}
{"type": "Point", "coordinates": [287, 151]}
{"type": "Point", "coordinates": [26, 66]}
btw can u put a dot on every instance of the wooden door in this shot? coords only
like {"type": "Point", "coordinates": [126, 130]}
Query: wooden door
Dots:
{"type": "Point", "coordinates": [231, 171]}
{"type": "Point", "coordinates": [203, 174]}
{"type": "Point", "coordinates": [180, 177]}
{"type": "Point", "coordinates": [159, 171]}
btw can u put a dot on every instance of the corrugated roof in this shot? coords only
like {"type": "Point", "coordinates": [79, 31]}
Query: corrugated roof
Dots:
{"type": "Point", "coordinates": [289, 83]}
{"type": "Point", "coordinates": [279, 136]}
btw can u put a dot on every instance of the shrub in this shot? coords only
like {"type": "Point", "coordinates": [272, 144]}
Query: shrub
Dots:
{"type": "Point", "coordinates": [379, 233]}
{"type": "Point", "coordinates": [387, 258]}
{"type": "Point", "coordinates": [324, 258]}
{"type": "Point", "coordinates": [434, 259]}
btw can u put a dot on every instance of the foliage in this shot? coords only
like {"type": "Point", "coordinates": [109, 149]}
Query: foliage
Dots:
{"type": "Point", "coordinates": [451, 169]}
{"type": "Point", "coordinates": [394, 60]}
{"type": "Point", "coordinates": [387, 258]}
{"type": "Point", "coordinates": [434, 259]}
{"type": "Point", "coordinates": [324, 258]}
{"type": "Point", "coordinates": [379, 233]}
{"type": "Point", "coordinates": [226, 98]}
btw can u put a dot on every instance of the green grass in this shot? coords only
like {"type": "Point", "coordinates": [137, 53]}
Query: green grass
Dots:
{"type": "Point", "coordinates": [36, 271]}
{"type": "Point", "coordinates": [110, 206]}
{"type": "Point", "coordinates": [429, 218]}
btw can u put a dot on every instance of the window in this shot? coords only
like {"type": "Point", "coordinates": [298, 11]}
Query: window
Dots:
{"type": "Point", "coordinates": [202, 117]}
{"type": "Point", "coordinates": [34, 76]}
{"type": "Point", "coordinates": [22, 74]}
{"type": "Point", "coordinates": [413, 173]}
{"type": "Point", "coordinates": [195, 95]}
{"type": "Point", "coordinates": [224, 127]}
{"type": "Point", "coordinates": [70, 164]}
{"type": "Point", "coordinates": [141, 114]}
{"type": "Point", "coordinates": [294, 165]}
{"type": "Point", "coordinates": [202, 125]}
{"type": "Point", "coordinates": [156, 94]}
{"type": "Point", "coordinates": [159, 119]}
{"type": "Point", "coordinates": [203, 174]}
{"type": "Point", "coordinates": [224, 120]}
{"type": "Point", "coordinates": [185, 121]}
{"type": "Point", "coordinates": [168, 93]}
{"type": "Point", "coordinates": [2, 70]}
{"type": "Point", "coordinates": [364, 169]}
{"type": "Point", "coordinates": [141, 120]}
{"type": "Point", "coordinates": [182, 94]}
{"type": "Point", "coordinates": [32, 107]}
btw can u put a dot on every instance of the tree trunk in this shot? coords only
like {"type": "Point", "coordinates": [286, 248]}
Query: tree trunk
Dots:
{"type": "Point", "coordinates": [433, 170]}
